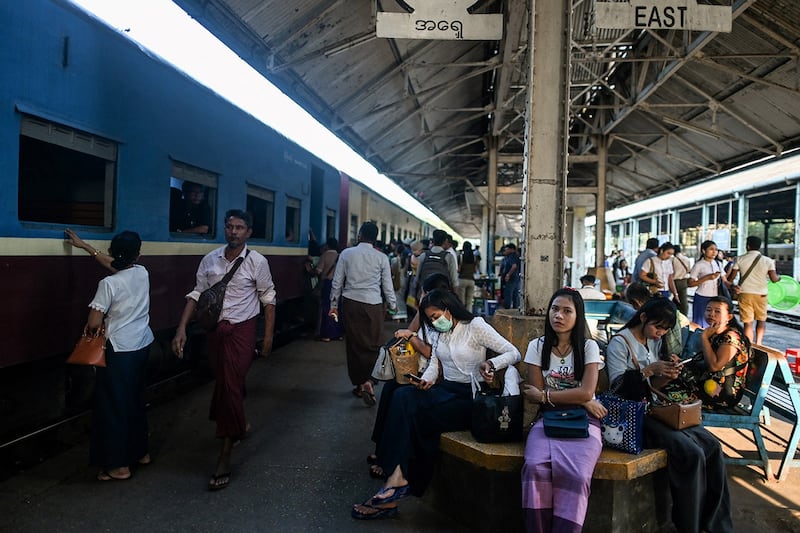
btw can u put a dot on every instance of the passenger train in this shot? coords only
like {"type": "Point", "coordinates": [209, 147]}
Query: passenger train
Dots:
{"type": "Point", "coordinates": [761, 199]}
{"type": "Point", "coordinates": [99, 135]}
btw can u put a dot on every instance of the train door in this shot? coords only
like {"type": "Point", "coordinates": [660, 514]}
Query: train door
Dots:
{"type": "Point", "coordinates": [317, 202]}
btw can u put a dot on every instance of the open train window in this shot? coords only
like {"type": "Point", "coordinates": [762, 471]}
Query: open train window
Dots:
{"type": "Point", "coordinates": [192, 201]}
{"type": "Point", "coordinates": [66, 176]}
{"type": "Point", "coordinates": [261, 204]}
{"type": "Point", "coordinates": [292, 220]}
{"type": "Point", "coordinates": [330, 223]}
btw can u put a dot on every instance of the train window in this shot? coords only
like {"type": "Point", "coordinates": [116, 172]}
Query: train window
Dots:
{"type": "Point", "coordinates": [330, 223]}
{"type": "Point", "coordinates": [193, 198]}
{"type": "Point", "coordinates": [383, 232]}
{"type": "Point", "coordinates": [261, 204]}
{"type": "Point", "coordinates": [66, 176]}
{"type": "Point", "coordinates": [292, 220]}
{"type": "Point", "coordinates": [353, 229]}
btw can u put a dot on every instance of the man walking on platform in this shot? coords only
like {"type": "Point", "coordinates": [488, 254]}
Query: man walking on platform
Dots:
{"type": "Point", "coordinates": [232, 344]}
{"type": "Point", "coordinates": [754, 270]}
{"type": "Point", "coordinates": [509, 275]}
{"type": "Point", "coordinates": [362, 273]}
{"type": "Point", "coordinates": [651, 250]}
{"type": "Point", "coordinates": [681, 267]}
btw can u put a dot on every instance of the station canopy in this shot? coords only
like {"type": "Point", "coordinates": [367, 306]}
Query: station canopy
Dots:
{"type": "Point", "coordinates": [676, 106]}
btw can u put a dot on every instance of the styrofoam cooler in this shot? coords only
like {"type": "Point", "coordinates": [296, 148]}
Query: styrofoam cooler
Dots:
{"type": "Point", "coordinates": [490, 306]}
{"type": "Point", "coordinates": [793, 358]}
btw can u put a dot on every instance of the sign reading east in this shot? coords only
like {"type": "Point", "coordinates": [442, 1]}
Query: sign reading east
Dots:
{"type": "Point", "coordinates": [663, 15]}
{"type": "Point", "coordinates": [439, 19]}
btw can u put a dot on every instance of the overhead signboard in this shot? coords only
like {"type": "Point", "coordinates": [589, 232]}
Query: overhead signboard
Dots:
{"type": "Point", "coordinates": [663, 15]}
{"type": "Point", "coordinates": [439, 19]}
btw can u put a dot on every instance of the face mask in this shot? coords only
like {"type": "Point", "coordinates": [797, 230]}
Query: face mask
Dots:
{"type": "Point", "coordinates": [442, 324]}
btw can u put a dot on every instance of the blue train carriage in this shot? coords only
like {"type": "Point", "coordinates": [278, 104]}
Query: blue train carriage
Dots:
{"type": "Point", "coordinates": [100, 136]}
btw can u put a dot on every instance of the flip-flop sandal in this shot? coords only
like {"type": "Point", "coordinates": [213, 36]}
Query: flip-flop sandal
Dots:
{"type": "Point", "coordinates": [372, 513]}
{"type": "Point", "coordinates": [104, 475]}
{"type": "Point", "coordinates": [146, 460]}
{"type": "Point", "coordinates": [219, 482]}
{"type": "Point", "coordinates": [357, 392]}
{"type": "Point", "coordinates": [368, 397]}
{"type": "Point", "coordinates": [398, 494]}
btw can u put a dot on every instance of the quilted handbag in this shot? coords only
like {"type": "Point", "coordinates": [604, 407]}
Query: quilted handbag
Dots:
{"type": "Point", "coordinates": [384, 369]}
{"type": "Point", "coordinates": [623, 427]}
{"type": "Point", "coordinates": [570, 423]}
{"type": "Point", "coordinates": [90, 349]}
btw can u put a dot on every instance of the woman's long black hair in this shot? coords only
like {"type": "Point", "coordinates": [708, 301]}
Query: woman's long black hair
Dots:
{"type": "Point", "coordinates": [446, 301]}
{"type": "Point", "coordinates": [467, 256]}
{"type": "Point", "coordinates": [577, 336]}
{"type": "Point", "coordinates": [658, 311]}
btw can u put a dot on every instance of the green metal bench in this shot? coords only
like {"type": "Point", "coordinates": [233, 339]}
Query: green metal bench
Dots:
{"type": "Point", "coordinates": [770, 386]}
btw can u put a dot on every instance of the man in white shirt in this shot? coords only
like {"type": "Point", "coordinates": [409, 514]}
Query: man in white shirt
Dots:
{"type": "Point", "coordinates": [754, 270]}
{"type": "Point", "coordinates": [588, 291]}
{"type": "Point", "coordinates": [232, 344]}
{"type": "Point", "coordinates": [362, 274]}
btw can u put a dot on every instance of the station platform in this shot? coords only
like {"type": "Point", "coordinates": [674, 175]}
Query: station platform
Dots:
{"type": "Point", "coordinates": [301, 468]}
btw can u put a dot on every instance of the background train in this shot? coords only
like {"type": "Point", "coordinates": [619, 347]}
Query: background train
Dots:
{"type": "Point", "coordinates": [762, 199]}
{"type": "Point", "coordinates": [98, 135]}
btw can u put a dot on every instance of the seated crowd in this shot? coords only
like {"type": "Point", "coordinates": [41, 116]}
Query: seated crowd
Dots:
{"type": "Point", "coordinates": [563, 369]}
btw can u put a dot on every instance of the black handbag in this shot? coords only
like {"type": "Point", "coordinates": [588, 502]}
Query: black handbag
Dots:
{"type": "Point", "coordinates": [572, 423]}
{"type": "Point", "coordinates": [209, 304]}
{"type": "Point", "coordinates": [496, 418]}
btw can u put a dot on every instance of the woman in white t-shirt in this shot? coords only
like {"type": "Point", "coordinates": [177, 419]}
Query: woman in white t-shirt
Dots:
{"type": "Point", "coordinates": [563, 369]}
{"type": "Point", "coordinates": [705, 276]}
{"type": "Point", "coordinates": [122, 304]}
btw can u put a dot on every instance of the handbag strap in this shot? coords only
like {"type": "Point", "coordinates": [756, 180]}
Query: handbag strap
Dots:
{"type": "Point", "coordinates": [236, 265]}
{"type": "Point", "coordinates": [752, 266]}
{"type": "Point", "coordinates": [630, 350]}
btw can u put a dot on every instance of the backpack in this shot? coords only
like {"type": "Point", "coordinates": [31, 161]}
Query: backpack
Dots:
{"type": "Point", "coordinates": [435, 263]}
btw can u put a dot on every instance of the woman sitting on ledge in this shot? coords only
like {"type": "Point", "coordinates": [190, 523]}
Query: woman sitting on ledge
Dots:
{"type": "Point", "coordinates": [418, 415]}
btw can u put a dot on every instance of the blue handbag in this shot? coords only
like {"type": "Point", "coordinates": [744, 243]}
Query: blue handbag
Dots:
{"type": "Point", "coordinates": [570, 423]}
{"type": "Point", "coordinates": [623, 427]}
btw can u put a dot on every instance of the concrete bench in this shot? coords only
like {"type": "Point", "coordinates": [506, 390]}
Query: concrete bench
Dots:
{"type": "Point", "coordinates": [770, 386]}
{"type": "Point", "coordinates": [480, 485]}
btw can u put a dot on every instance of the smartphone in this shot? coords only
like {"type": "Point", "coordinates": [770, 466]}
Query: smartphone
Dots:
{"type": "Point", "coordinates": [681, 363]}
{"type": "Point", "coordinates": [413, 377]}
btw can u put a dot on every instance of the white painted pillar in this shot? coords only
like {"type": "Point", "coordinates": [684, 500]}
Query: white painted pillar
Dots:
{"type": "Point", "coordinates": [579, 245]}
{"type": "Point", "coordinates": [545, 153]}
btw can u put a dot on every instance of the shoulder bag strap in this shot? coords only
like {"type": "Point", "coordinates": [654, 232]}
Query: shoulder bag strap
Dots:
{"type": "Point", "coordinates": [752, 266]}
{"type": "Point", "coordinates": [685, 267]}
{"type": "Point", "coordinates": [630, 350]}
{"type": "Point", "coordinates": [235, 267]}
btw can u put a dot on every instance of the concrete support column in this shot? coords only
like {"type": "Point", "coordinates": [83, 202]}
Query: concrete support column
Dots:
{"type": "Point", "coordinates": [492, 192]}
{"type": "Point", "coordinates": [601, 142]}
{"type": "Point", "coordinates": [545, 153]}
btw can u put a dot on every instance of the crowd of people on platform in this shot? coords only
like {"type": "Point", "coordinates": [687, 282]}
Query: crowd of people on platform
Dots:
{"type": "Point", "coordinates": [429, 282]}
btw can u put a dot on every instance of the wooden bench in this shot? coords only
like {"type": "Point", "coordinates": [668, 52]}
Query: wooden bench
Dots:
{"type": "Point", "coordinates": [480, 485]}
{"type": "Point", "coordinates": [770, 386]}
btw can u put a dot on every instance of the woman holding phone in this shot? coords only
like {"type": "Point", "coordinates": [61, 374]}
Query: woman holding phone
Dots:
{"type": "Point", "coordinates": [418, 414]}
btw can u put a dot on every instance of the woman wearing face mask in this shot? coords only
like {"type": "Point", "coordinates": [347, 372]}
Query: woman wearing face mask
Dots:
{"type": "Point", "coordinates": [418, 415]}
{"type": "Point", "coordinates": [695, 463]}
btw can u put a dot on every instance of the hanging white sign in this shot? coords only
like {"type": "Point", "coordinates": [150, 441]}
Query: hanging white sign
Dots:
{"type": "Point", "coordinates": [440, 19]}
{"type": "Point", "coordinates": [663, 15]}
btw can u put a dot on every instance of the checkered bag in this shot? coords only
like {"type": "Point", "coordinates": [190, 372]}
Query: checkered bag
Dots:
{"type": "Point", "coordinates": [623, 426]}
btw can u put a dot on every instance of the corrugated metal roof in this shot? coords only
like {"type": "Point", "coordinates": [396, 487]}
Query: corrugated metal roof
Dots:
{"type": "Point", "coordinates": [677, 107]}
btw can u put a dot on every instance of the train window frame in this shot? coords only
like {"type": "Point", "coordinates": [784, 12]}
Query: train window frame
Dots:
{"type": "Point", "coordinates": [330, 223]}
{"type": "Point", "coordinates": [84, 159]}
{"type": "Point", "coordinates": [181, 172]}
{"type": "Point", "coordinates": [293, 213]}
{"type": "Point", "coordinates": [258, 195]}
